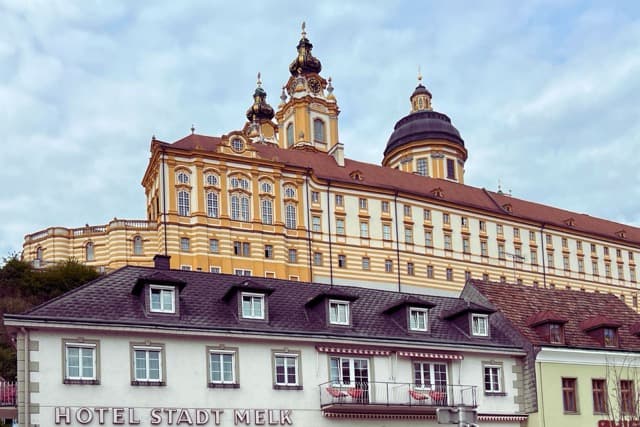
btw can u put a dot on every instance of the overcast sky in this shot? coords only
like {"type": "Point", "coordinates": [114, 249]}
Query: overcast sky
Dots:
{"type": "Point", "coordinates": [544, 93]}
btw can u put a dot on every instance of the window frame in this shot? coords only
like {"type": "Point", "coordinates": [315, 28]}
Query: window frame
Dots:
{"type": "Point", "coordinates": [253, 297]}
{"type": "Point", "coordinates": [148, 347]}
{"type": "Point", "coordinates": [339, 381]}
{"type": "Point", "coordinates": [476, 332]}
{"type": "Point", "coordinates": [570, 395]}
{"type": "Point", "coordinates": [80, 343]}
{"type": "Point", "coordinates": [138, 245]}
{"type": "Point", "coordinates": [420, 313]}
{"type": "Point", "coordinates": [287, 354]}
{"type": "Point", "coordinates": [419, 371]}
{"type": "Point", "coordinates": [599, 395]}
{"type": "Point", "coordinates": [162, 290]}
{"type": "Point", "coordinates": [335, 317]}
{"type": "Point", "coordinates": [222, 351]}
{"type": "Point", "coordinates": [495, 384]}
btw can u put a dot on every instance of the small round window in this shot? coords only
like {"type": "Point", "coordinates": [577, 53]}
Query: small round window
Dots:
{"type": "Point", "coordinates": [212, 180]}
{"type": "Point", "coordinates": [237, 145]}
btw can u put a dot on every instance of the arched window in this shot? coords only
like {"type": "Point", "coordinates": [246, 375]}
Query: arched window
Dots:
{"type": "Point", "coordinates": [89, 254]}
{"type": "Point", "coordinates": [137, 245]}
{"type": "Point", "coordinates": [182, 178]}
{"type": "Point", "coordinates": [38, 261]}
{"type": "Point", "coordinates": [290, 216]}
{"type": "Point", "coordinates": [318, 131]}
{"type": "Point", "coordinates": [239, 207]}
{"type": "Point", "coordinates": [212, 179]}
{"type": "Point", "coordinates": [237, 144]}
{"type": "Point", "coordinates": [266, 187]}
{"type": "Point", "coordinates": [289, 134]}
{"type": "Point", "coordinates": [212, 204]}
{"type": "Point", "coordinates": [290, 192]}
{"type": "Point", "coordinates": [267, 211]}
{"type": "Point", "coordinates": [183, 203]}
{"type": "Point", "coordinates": [239, 183]}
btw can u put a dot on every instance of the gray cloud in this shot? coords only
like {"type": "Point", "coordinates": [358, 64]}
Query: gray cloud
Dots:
{"type": "Point", "coordinates": [544, 93]}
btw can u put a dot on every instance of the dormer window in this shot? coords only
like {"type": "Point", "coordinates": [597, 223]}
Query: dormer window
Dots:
{"type": "Point", "coordinates": [418, 319]}
{"type": "Point", "coordinates": [162, 299]}
{"type": "Point", "coordinates": [556, 333]}
{"type": "Point", "coordinates": [252, 306]}
{"type": "Point", "coordinates": [480, 325]}
{"type": "Point", "coordinates": [338, 312]}
{"type": "Point", "coordinates": [610, 336]}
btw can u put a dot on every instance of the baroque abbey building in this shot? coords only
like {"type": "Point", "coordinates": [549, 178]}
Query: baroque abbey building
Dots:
{"type": "Point", "coordinates": [278, 199]}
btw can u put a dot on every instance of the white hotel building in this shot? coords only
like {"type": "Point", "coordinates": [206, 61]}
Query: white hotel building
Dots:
{"type": "Point", "coordinates": [153, 346]}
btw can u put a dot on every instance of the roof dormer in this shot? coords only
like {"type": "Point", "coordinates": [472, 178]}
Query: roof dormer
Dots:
{"type": "Point", "coordinates": [602, 329]}
{"type": "Point", "coordinates": [470, 317]}
{"type": "Point", "coordinates": [250, 299]}
{"type": "Point", "coordinates": [333, 307]}
{"type": "Point", "coordinates": [411, 313]}
{"type": "Point", "coordinates": [160, 293]}
{"type": "Point", "coordinates": [549, 325]}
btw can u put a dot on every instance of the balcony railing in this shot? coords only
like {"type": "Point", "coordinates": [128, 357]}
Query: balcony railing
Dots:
{"type": "Point", "coordinates": [7, 393]}
{"type": "Point", "coordinates": [404, 397]}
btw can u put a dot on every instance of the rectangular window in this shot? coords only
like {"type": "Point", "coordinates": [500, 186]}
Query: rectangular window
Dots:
{"type": "Point", "coordinates": [147, 364]}
{"type": "Point", "coordinates": [606, 251]}
{"type": "Point", "coordinates": [593, 248]}
{"type": "Point", "coordinates": [534, 257]}
{"type": "Point", "coordinates": [483, 226]}
{"type": "Point", "coordinates": [384, 206]}
{"type": "Point", "coordinates": [421, 167]}
{"type": "Point", "coordinates": [464, 222]}
{"type": "Point", "coordinates": [215, 269]}
{"type": "Point", "coordinates": [342, 261]}
{"type": "Point", "coordinates": [565, 242]}
{"type": "Point", "coordinates": [410, 269]}
{"type": "Point", "coordinates": [185, 244]}
{"type": "Point", "coordinates": [620, 272]}
{"type": "Point", "coordinates": [426, 214]}
{"type": "Point", "coordinates": [549, 239]}
{"type": "Point", "coordinates": [241, 272]}
{"type": "Point", "coordinates": [286, 369]}
{"type": "Point", "coordinates": [501, 252]}
{"type": "Point", "coordinates": [446, 218]}
{"type": "Point", "coordinates": [185, 267]}
{"type": "Point", "coordinates": [366, 263]}
{"type": "Point", "coordinates": [565, 263]}
{"type": "Point", "coordinates": [499, 229]}
{"type": "Point", "coordinates": [418, 319]}
{"type": "Point", "coordinates": [580, 265]}
{"type": "Point", "coordinates": [386, 232]}
{"type": "Point", "coordinates": [433, 376]}
{"type": "Point", "coordinates": [293, 256]}
{"type": "Point", "coordinates": [317, 258]}
{"type": "Point", "coordinates": [315, 197]}
{"type": "Point", "coordinates": [447, 242]}
{"type": "Point", "coordinates": [428, 239]}
{"type": "Point", "coordinates": [241, 248]}
{"type": "Point", "coordinates": [349, 372]}
{"type": "Point", "coordinates": [388, 266]}
{"type": "Point", "coordinates": [579, 245]}
{"type": "Point", "coordinates": [607, 269]}
{"type": "Point", "coordinates": [338, 312]}
{"type": "Point", "coordinates": [516, 233]}
{"type": "Point", "coordinates": [484, 248]}
{"type": "Point", "coordinates": [214, 246]}
{"type": "Point", "coordinates": [480, 325]}
{"type": "Point", "coordinates": [610, 337]}
{"type": "Point", "coordinates": [550, 259]}
{"type": "Point", "coordinates": [268, 251]}
{"type": "Point", "coordinates": [627, 397]}
{"type": "Point", "coordinates": [408, 235]}
{"type": "Point", "coordinates": [599, 388]}
{"type": "Point", "coordinates": [492, 379]}
{"type": "Point", "coordinates": [162, 299]}
{"type": "Point", "coordinates": [316, 224]}
{"type": "Point", "coordinates": [594, 268]}
{"type": "Point", "coordinates": [532, 236]}
{"type": "Point", "coordinates": [362, 202]}
{"type": "Point", "coordinates": [252, 306]}
{"type": "Point", "coordinates": [339, 200]}
{"type": "Point", "coordinates": [451, 169]}
{"type": "Point", "coordinates": [467, 276]}
{"type": "Point", "coordinates": [429, 271]}
{"type": "Point", "coordinates": [466, 245]}
{"type": "Point", "coordinates": [556, 333]}
{"type": "Point", "coordinates": [364, 229]}
{"type": "Point", "coordinates": [222, 367]}
{"type": "Point", "coordinates": [340, 226]}
{"type": "Point", "coordinates": [569, 398]}
{"type": "Point", "coordinates": [80, 362]}
{"type": "Point", "coordinates": [407, 210]}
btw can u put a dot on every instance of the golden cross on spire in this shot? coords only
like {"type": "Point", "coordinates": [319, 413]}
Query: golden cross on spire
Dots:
{"type": "Point", "coordinates": [304, 26]}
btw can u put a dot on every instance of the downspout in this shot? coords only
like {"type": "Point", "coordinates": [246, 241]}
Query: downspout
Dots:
{"type": "Point", "coordinates": [27, 378]}
{"type": "Point", "coordinates": [329, 233]}
{"type": "Point", "coordinates": [310, 257]}
{"type": "Point", "coordinates": [395, 209]}
{"type": "Point", "coordinates": [164, 205]}
{"type": "Point", "coordinates": [544, 256]}
{"type": "Point", "coordinates": [541, 406]}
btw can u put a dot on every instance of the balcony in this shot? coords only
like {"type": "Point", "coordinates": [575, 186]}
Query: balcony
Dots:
{"type": "Point", "coordinates": [393, 398]}
{"type": "Point", "coordinates": [8, 399]}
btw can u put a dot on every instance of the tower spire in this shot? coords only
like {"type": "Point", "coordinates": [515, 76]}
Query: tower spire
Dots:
{"type": "Point", "coordinates": [421, 97]}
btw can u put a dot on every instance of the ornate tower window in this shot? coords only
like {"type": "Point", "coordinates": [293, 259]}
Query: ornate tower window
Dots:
{"type": "Point", "coordinates": [451, 169]}
{"type": "Point", "coordinates": [421, 167]}
{"type": "Point", "coordinates": [290, 139]}
{"type": "Point", "coordinates": [319, 131]}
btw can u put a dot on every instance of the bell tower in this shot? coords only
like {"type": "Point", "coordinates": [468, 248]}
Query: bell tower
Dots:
{"type": "Point", "coordinates": [307, 116]}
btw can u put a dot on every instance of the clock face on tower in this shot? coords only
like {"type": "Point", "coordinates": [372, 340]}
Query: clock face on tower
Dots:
{"type": "Point", "coordinates": [314, 85]}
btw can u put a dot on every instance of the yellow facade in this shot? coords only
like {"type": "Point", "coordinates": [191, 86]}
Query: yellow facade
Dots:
{"type": "Point", "coordinates": [334, 231]}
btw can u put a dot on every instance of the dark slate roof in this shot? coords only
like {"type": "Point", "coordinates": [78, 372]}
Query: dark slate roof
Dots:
{"type": "Point", "coordinates": [109, 300]}
{"type": "Point", "coordinates": [325, 167]}
{"type": "Point", "coordinates": [421, 125]}
{"type": "Point", "coordinates": [582, 310]}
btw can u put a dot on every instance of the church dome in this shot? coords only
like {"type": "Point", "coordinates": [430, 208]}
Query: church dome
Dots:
{"type": "Point", "coordinates": [260, 110]}
{"type": "Point", "coordinates": [305, 62]}
{"type": "Point", "coordinates": [420, 126]}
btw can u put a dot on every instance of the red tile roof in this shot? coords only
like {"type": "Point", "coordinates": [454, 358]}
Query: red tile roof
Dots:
{"type": "Point", "coordinates": [325, 167]}
{"type": "Point", "coordinates": [598, 321]}
{"type": "Point", "coordinates": [519, 303]}
{"type": "Point", "coordinates": [546, 316]}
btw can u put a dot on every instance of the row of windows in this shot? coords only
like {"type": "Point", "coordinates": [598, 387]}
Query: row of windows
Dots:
{"type": "Point", "coordinates": [149, 361]}
{"type": "Point", "coordinates": [624, 396]}
{"type": "Point", "coordinates": [235, 182]}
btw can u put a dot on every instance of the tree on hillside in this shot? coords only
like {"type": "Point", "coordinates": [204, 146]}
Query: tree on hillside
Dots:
{"type": "Point", "coordinates": [23, 287]}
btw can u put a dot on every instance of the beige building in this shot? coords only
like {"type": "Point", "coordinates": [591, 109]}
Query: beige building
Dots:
{"type": "Point", "coordinates": [277, 198]}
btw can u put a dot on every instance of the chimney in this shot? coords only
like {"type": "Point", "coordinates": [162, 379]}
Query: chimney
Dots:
{"type": "Point", "coordinates": [337, 152]}
{"type": "Point", "coordinates": [161, 262]}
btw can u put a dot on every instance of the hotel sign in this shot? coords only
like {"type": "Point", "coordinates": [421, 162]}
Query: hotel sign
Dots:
{"type": "Point", "coordinates": [64, 415]}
